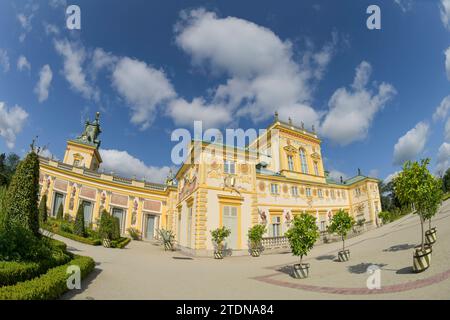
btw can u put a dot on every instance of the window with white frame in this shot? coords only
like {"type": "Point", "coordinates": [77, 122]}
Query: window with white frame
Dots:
{"type": "Point", "coordinates": [332, 194]}
{"type": "Point", "coordinates": [294, 191]}
{"type": "Point", "coordinates": [303, 161]}
{"type": "Point", "coordinates": [308, 192]}
{"type": "Point", "coordinates": [290, 163]}
{"type": "Point", "coordinates": [276, 226]}
{"type": "Point", "coordinates": [229, 167]}
{"type": "Point", "coordinates": [316, 168]}
{"type": "Point", "coordinates": [274, 188]}
{"type": "Point", "coordinates": [320, 193]}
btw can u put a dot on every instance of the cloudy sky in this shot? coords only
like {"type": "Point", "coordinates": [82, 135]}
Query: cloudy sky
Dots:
{"type": "Point", "coordinates": [376, 97]}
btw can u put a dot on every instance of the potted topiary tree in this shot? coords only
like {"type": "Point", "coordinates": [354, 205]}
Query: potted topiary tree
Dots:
{"type": "Point", "coordinates": [78, 227]}
{"type": "Point", "coordinates": [432, 206]}
{"type": "Point", "coordinates": [218, 236]}
{"type": "Point", "coordinates": [255, 235]}
{"type": "Point", "coordinates": [105, 229]}
{"type": "Point", "coordinates": [341, 224]}
{"type": "Point", "coordinates": [302, 236]}
{"type": "Point", "coordinates": [414, 187]}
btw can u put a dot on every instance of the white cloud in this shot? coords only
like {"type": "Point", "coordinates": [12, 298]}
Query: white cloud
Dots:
{"type": "Point", "coordinates": [390, 177]}
{"type": "Point", "coordinates": [25, 19]}
{"type": "Point", "coordinates": [351, 111]}
{"type": "Point", "coordinates": [447, 130]}
{"type": "Point", "coordinates": [43, 85]}
{"type": "Point", "coordinates": [4, 60]}
{"type": "Point", "coordinates": [262, 74]}
{"type": "Point", "coordinates": [57, 3]}
{"type": "Point", "coordinates": [143, 87]}
{"type": "Point", "coordinates": [11, 123]}
{"type": "Point", "coordinates": [405, 5]}
{"type": "Point", "coordinates": [122, 163]}
{"type": "Point", "coordinates": [74, 56]}
{"type": "Point", "coordinates": [23, 63]}
{"type": "Point", "coordinates": [443, 158]}
{"type": "Point", "coordinates": [442, 110]}
{"type": "Point", "coordinates": [445, 13]}
{"type": "Point", "coordinates": [185, 113]}
{"type": "Point", "coordinates": [51, 29]}
{"type": "Point", "coordinates": [447, 62]}
{"type": "Point", "coordinates": [101, 60]}
{"type": "Point", "coordinates": [411, 145]}
{"type": "Point", "coordinates": [336, 175]}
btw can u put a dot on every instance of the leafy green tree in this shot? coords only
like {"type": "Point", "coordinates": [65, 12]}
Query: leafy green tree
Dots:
{"type": "Point", "coordinates": [219, 235]}
{"type": "Point", "coordinates": [341, 224]}
{"type": "Point", "coordinates": [255, 235]}
{"type": "Point", "coordinates": [414, 187]}
{"type": "Point", "coordinates": [78, 227]}
{"type": "Point", "coordinates": [43, 208]}
{"type": "Point", "coordinates": [105, 227]}
{"type": "Point", "coordinates": [302, 235]}
{"type": "Point", "coordinates": [434, 199]}
{"type": "Point", "coordinates": [8, 165]}
{"type": "Point", "coordinates": [22, 195]}
{"type": "Point", "coordinates": [446, 181]}
{"type": "Point", "coordinates": [3, 175]}
{"type": "Point", "coordinates": [60, 212]}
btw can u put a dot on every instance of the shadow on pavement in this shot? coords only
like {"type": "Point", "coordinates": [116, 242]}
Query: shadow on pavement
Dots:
{"type": "Point", "coordinates": [406, 270]}
{"type": "Point", "coordinates": [399, 247]}
{"type": "Point", "coordinates": [362, 267]}
{"type": "Point", "coordinates": [326, 257]}
{"type": "Point", "coordinates": [289, 270]}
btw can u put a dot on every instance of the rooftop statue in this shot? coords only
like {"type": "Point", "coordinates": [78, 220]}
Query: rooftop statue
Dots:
{"type": "Point", "coordinates": [91, 132]}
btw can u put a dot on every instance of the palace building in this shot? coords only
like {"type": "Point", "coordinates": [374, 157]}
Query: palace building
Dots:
{"type": "Point", "coordinates": [237, 189]}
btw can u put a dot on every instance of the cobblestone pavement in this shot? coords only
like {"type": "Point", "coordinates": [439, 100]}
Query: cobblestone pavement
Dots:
{"type": "Point", "coordinates": [144, 271]}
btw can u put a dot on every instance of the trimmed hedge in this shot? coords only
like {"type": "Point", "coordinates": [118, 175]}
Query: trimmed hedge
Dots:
{"type": "Point", "coordinates": [92, 242]}
{"type": "Point", "coordinates": [446, 196]}
{"type": "Point", "coordinates": [48, 286]}
{"type": "Point", "coordinates": [12, 272]}
{"type": "Point", "coordinates": [120, 243]}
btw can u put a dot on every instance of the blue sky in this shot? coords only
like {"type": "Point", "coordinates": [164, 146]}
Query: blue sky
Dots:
{"type": "Point", "coordinates": [376, 97]}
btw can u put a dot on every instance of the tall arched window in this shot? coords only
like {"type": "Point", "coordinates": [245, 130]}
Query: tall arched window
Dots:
{"type": "Point", "coordinates": [303, 161]}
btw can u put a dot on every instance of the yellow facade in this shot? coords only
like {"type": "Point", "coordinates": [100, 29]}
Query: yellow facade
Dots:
{"type": "Point", "coordinates": [268, 187]}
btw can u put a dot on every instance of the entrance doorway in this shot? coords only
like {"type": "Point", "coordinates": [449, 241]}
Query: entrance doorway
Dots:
{"type": "Point", "coordinates": [230, 221]}
{"type": "Point", "coordinates": [150, 227]}
{"type": "Point", "coordinates": [87, 211]}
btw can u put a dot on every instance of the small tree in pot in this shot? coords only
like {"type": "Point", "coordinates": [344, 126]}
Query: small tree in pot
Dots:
{"type": "Point", "coordinates": [168, 239]}
{"type": "Point", "coordinates": [431, 208]}
{"type": "Point", "coordinates": [341, 224]}
{"type": "Point", "coordinates": [414, 187]}
{"type": "Point", "coordinates": [219, 235]}
{"type": "Point", "coordinates": [302, 236]}
{"type": "Point", "coordinates": [255, 235]}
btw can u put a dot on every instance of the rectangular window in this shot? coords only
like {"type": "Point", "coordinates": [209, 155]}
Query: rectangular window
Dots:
{"type": "Point", "coordinates": [320, 193]}
{"type": "Point", "coordinates": [276, 226]}
{"type": "Point", "coordinates": [290, 163]}
{"type": "Point", "coordinates": [294, 191]}
{"type": "Point", "coordinates": [229, 167]}
{"type": "Point", "coordinates": [316, 168]}
{"type": "Point", "coordinates": [308, 192]}
{"type": "Point", "coordinates": [274, 188]}
{"type": "Point", "coordinates": [322, 226]}
{"type": "Point", "coordinates": [332, 194]}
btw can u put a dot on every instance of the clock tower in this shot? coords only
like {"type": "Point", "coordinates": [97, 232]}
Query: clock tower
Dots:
{"type": "Point", "coordinates": [83, 151]}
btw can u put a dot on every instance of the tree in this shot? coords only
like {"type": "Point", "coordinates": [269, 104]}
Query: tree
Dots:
{"type": "Point", "coordinates": [60, 213]}
{"type": "Point", "coordinates": [43, 208]}
{"type": "Point", "coordinates": [414, 187]}
{"type": "Point", "coordinates": [434, 199]}
{"type": "Point", "coordinates": [115, 232]}
{"type": "Point", "coordinates": [341, 224]}
{"type": "Point", "coordinates": [3, 175]}
{"type": "Point", "coordinates": [446, 181]}
{"type": "Point", "coordinates": [255, 235]}
{"type": "Point", "coordinates": [219, 235]}
{"type": "Point", "coordinates": [78, 227]}
{"type": "Point", "coordinates": [302, 235]}
{"type": "Point", "coordinates": [8, 165]}
{"type": "Point", "coordinates": [22, 195]}
{"type": "Point", "coordinates": [105, 228]}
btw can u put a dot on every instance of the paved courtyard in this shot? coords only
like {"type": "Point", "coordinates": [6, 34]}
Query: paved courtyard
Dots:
{"type": "Point", "coordinates": [144, 271]}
